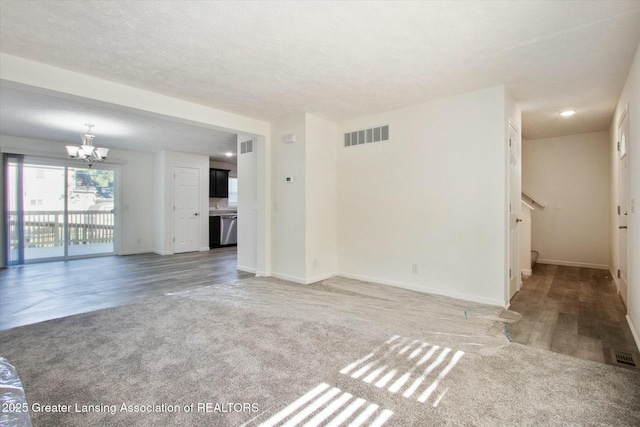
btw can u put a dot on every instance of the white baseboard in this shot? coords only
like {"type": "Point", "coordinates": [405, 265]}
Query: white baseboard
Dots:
{"type": "Point", "coordinates": [634, 330]}
{"type": "Point", "coordinates": [159, 252]}
{"type": "Point", "coordinates": [136, 252]}
{"type": "Point", "coordinates": [204, 249]}
{"type": "Point", "coordinates": [527, 273]}
{"type": "Point", "coordinates": [425, 290]}
{"type": "Point", "coordinates": [246, 269]}
{"type": "Point", "coordinates": [289, 278]}
{"type": "Point", "coordinates": [320, 278]}
{"type": "Point", "coordinates": [616, 281]}
{"type": "Point", "coordinates": [301, 280]}
{"type": "Point", "coordinates": [573, 264]}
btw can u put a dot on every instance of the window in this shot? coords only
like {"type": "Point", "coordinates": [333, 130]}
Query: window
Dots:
{"type": "Point", "coordinates": [233, 192]}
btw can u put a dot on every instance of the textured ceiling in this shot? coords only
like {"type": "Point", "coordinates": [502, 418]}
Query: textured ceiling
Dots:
{"type": "Point", "coordinates": [343, 59]}
{"type": "Point", "coordinates": [50, 116]}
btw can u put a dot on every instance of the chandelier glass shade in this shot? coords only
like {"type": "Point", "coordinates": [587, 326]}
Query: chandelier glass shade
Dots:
{"type": "Point", "coordinates": [87, 152]}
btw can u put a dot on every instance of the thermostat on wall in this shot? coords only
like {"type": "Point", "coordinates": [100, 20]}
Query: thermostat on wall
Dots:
{"type": "Point", "coordinates": [289, 179]}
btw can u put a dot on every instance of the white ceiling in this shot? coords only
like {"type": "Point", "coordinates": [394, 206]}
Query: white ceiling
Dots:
{"type": "Point", "coordinates": [40, 114]}
{"type": "Point", "coordinates": [342, 59]}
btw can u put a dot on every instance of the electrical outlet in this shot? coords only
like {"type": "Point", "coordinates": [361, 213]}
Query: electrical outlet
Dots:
{"type": "Point", "coordinates": [414, 268]}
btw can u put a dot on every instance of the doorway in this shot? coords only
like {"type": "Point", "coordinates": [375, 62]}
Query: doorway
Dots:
{"type": "Point", "coordinates": [623, 196]}
{"type": "Point", "coordinates": [514, 210]}
{"type": "Point", "coordinates": [186, 209]}
{"type": "Point", "coordinates": [57, 212]}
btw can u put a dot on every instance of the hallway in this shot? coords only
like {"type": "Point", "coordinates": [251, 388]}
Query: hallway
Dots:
{"type": "Point", "coordinates": [571, 310]}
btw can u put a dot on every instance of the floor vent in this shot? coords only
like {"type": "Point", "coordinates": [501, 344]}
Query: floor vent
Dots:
{"type": "Point", "coordinates": [623, 358]}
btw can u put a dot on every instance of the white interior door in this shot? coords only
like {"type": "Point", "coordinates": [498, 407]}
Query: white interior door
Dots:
{"type": "Point", "coordinates": [623, 147]}
{"type": "Point", "coordinates": [514, 211]}
{"type": "Point", "coordinates": [186, 213]}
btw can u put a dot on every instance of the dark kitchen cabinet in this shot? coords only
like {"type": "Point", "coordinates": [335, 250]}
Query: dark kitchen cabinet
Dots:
{"type": "Point", "coordinates": [214, 232]}
{"type": "Point", "coordinates": [219, 183]}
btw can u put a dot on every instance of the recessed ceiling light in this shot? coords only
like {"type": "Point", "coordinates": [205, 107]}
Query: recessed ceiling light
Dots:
{"type": "Point", "coordinates": [228, 154]}
{"type": "Point", "coordinates": [568, 113]}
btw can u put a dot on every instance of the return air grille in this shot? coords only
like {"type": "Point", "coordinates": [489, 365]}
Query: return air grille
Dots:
{"type": "Point", "coordinates": [246, 147]}
{"type": "Point", "coordinates": [366, 136]}
{"type": "Point", "coordinates": [624, 358]}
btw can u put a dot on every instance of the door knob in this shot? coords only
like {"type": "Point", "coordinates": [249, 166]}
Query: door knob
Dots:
{"type": "Point", "coordinates": [518, 220]}
{"type": "Point", "coordinates": [196, 214]}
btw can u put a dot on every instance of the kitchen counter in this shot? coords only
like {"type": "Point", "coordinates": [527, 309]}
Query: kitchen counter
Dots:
{"type": "Point", "coordinates": [220, 212]}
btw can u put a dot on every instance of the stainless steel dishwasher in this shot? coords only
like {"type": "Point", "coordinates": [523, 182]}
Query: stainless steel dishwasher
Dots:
{"type": "Point", "coordinates": [228, 230]}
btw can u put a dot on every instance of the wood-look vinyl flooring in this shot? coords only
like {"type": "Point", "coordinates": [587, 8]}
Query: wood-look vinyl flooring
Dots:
{"type": "Point", "coordinates": [571, 310]}
{"type": "Point", "coordinates": [37, 292]}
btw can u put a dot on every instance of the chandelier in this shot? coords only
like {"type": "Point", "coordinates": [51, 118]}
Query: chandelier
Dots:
{"type": "Point", "coordinates": [87, 152]}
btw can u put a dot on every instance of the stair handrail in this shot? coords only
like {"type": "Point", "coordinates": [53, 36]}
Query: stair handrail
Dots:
{"type": "Point", "coordinates": [533, 200]}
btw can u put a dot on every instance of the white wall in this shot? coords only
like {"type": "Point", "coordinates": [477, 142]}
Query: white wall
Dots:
{"type": "Point", "coordinates": [631, 96]}
{"type": "Point", "coordinates": [247, 199]}
{"type": "Point", "coordinates": [159, 203]}
{"type": "Point", "coordinates": [163, 222]}
{"type": "Point", "coordinates": [136, 187]}
{"type": "Point", "coordinates": [304, 211]}
{"type": "Point", "coordinates": [289, 210]}
{"type": "Point", "coordinates": [434, 196]}
{"type": "Point", "coordinates": [321, 199]}
{"type": "Point", "coordinates": [570, 174]}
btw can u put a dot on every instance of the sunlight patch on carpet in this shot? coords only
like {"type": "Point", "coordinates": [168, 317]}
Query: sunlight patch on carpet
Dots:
{"type": "Point", "coordinates": [412, 368]}
{"type": "Point", "coordinates": [326, 405]}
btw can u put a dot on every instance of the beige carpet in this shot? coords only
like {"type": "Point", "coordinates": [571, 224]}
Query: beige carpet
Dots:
{"type": "Point", "coordinates": [264, 351]}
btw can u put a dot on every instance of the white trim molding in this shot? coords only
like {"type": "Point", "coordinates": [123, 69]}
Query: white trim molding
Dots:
{"type": "Point", "coordinates": [159, 252]}
{"type": "Point", "coordinates": [634, 330]}
{"type": "Point", "coordinates": [434, 291]}
{"type": "Point", "coordinates": [246, 269]}
{"type": "Point", "coordinates": [573, 264]}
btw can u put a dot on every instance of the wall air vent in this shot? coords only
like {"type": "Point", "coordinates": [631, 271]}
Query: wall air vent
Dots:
{"type": "Point", "coordinates": [366, 136]}
{"type": "Point", "coordinates": [246, 147]}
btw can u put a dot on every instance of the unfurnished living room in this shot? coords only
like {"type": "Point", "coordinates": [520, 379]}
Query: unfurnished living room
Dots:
{"type": "Point", "coordinates": [314, 213]}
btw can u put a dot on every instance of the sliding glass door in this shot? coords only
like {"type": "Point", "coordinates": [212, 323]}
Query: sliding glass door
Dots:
{"type": "Point", "coordinates": [90, 211]}
{"type": "Point", "coordinates": [58, 211]}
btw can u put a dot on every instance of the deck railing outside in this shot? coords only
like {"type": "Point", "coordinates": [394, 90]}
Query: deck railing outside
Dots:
{"type": "Point", "coordinates": [45, 229]}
